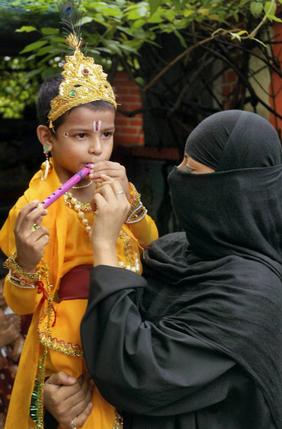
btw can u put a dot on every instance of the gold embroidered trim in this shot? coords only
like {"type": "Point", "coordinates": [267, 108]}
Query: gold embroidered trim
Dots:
{"type": "Point", "coordinates": [131, 258]}
{"type": "Point", "coordinates": [53, 343]}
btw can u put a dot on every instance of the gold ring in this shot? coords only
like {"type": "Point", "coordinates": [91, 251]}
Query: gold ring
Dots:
{"type": "Point", "coordinates": [72, 423]}
{"type": "Point", "coordinates": [35, 227]}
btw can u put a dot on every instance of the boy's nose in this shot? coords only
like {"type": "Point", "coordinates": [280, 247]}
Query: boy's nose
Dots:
{"type": "Point", "coordinates": [95, 145]}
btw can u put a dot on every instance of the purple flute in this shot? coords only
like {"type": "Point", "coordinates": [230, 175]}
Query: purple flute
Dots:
{"type": "Point", "coordinates": [66, 186]}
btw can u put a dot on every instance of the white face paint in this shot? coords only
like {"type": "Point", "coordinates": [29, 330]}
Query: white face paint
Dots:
{"type": "Point", "coordinates": [97, 126]}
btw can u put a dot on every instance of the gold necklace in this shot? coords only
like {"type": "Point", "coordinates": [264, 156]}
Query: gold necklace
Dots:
{"type": "Point", "coordinates": [131, 258]}
{"type": "Point", "coordinates": [83, 186]}
{"type": "Point", "coordinates": [80, 208]}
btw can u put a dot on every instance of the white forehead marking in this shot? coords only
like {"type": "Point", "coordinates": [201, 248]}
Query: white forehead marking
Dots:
{"type": "Point", "coordinates": [97, 126]}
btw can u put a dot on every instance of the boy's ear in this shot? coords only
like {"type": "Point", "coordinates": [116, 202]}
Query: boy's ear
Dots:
{"type": "Point", "coordinates": [44, 135]}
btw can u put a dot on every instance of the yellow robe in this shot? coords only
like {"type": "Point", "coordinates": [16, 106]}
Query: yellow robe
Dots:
{"type": "Point", "coordinates": [68, 247]}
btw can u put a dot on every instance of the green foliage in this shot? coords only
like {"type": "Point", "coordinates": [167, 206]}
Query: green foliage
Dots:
{"type": "Point", "coordinates": [117, 29]}
{"type": "Point", "coordinates": [17, 88]}
{"type": "Point", "coordinates": [122, 27]}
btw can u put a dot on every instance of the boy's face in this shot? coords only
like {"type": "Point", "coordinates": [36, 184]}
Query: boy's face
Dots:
{"type": "Point", "coordinates": [85, 136]}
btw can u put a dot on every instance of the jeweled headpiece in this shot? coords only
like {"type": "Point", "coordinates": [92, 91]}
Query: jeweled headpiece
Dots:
{"type": "Point", "coordinates": [83, 82]}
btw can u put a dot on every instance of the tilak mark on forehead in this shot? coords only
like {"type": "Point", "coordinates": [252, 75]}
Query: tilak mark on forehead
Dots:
{"type": "Point", "coordinates": [97, 126]}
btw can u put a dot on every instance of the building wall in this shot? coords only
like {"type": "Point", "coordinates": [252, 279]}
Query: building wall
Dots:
{"type": "Point", "coordinates": [129, 130]}
{"type": "Point", "coordinates": [276, 81]}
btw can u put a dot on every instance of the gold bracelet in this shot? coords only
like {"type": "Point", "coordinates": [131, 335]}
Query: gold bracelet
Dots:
{"type": "Point", "coordinates": [137, 215]}
{"type": "Point", "coordinates": [19, 272]}
{"type": "Point", "coordinates": [18, 282]}
{"type": "Point", "coordinates": [134, 196]}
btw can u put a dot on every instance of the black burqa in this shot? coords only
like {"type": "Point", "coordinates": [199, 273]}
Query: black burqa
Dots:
{"type": "Point", "coordinates": [218, 283]}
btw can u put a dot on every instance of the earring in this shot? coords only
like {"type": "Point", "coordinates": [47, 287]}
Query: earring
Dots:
{"type": "Point", "coordinates": [46, 164]}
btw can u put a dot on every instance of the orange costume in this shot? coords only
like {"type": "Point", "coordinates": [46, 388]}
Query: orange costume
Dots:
{"type": "Point", "coordinates": [53, 340]}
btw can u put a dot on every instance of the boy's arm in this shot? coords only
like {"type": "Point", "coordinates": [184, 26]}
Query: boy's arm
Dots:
{"type": "Point", "coordinates": [20, 300]}
{"type": "Point", "coordinates": [145, 231]}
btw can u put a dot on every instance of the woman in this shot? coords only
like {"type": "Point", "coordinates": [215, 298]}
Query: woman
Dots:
{"type": "Point", "coordinates": [197, 342]}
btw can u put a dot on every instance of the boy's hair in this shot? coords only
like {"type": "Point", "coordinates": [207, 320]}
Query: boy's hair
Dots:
{"type": "Point", "coordinates": [50, 89]}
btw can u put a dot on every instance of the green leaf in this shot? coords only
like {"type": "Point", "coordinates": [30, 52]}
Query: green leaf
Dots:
{"type": "Point", "coordinates": [111, 11]}
{"type": "Point", "coordinates": [138, 23]}
{"type": "Point", "coordinates": [34, 46]}
{"type": "Point", "coordinates": [154, 5]}
{"type": "Point", "coordinates": [137, 11]}
{"type": "Point", "coordinates": [156, 17]}
{"type": "Point", "coordinates": [270, 8]}
{"type": "Point", "coordinates": [43, 51]}
{"type": "Point", "coordinates": [58, 39]}
{"type": "Point", "coordinates": [188, 12]}
{"type": "Point", "coordinates": [274, 18]}
{"type": "Point", "coordinates": [49, 31]}
{"type": "Point", "coordinates": [114, 46]}
{"type": "Point", "coordinates": [106, 9]}
{"type": "Point", "coordinates": [84, 20]}
{"type": "Point", "coordinates": [256, 8]}
{"type": "Point", "coordinates": [26, 29]}
{"type": "Point", "coordinates": [204, 11]}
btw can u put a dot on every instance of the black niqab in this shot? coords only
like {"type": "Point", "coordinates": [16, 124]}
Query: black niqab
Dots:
{"type": "Point", "coordinates": [224, 282]}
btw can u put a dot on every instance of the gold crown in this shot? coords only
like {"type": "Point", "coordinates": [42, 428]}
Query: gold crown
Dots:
{"type": "Point", "coordinates": [83, 82]}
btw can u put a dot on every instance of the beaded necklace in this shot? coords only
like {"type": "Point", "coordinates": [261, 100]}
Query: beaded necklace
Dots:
{"type": "Point", "coordinates": [80, 208]}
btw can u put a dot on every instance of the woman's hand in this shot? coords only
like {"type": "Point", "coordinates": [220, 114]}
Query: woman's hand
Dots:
{"type": "Point", "coordinates": [68, 399]}
{"type": "Point", "coordinates": [113, 170]}
{"type": "Point", "coordinates": [111, 210]}
{"type": "Point", "coordinates": [31, 237]}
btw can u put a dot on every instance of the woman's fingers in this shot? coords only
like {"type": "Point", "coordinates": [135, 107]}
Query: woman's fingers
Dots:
{"type": "Point", "coordinates": [118, 190]}
{"type": "Point", "coordinates": [81, 418]}
{"type": "Point", "coordinates": [111, 169]}
{"type": "Point", "coordinates": [110, 187]}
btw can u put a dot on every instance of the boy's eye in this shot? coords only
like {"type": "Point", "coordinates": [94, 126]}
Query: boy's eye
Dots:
{"type": "Point", "coordinates": [108, 134]}
{"type": "Point", "coordinates": [81, 135]}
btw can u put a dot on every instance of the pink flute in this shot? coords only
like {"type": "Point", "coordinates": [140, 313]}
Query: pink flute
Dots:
{"type": "Point", "coordinates": [66, 186]}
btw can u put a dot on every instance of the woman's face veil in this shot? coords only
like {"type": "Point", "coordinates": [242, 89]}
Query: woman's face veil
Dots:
{"type": "Point", "coordinates": [216, 209]}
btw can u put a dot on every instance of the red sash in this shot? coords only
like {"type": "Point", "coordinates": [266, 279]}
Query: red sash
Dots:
{"type": "Point", "coordinates": [75, 283]}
